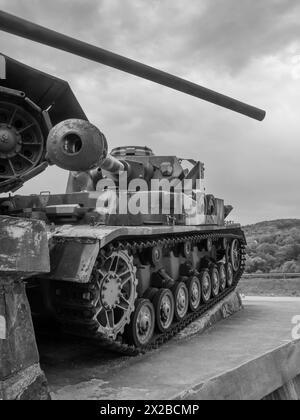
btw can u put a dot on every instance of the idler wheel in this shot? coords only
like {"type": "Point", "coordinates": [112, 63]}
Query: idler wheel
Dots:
{"type": "Point", "coordinates": [222, 275]}
{"type": "Point", "coordinates": [164, 306]}
{"type": "Point", "coordinates": [206, 286]}
{"type": "Point", "coordinates": [215, 281]}
{"type": "Point", "coordinates": [141, 328]}
{"type": "Point", "coordinates": [194, 288]}
{"type": "Point", "coordinates": [235, 255]}
{"type": "Point", "coordinates": [181, 297]}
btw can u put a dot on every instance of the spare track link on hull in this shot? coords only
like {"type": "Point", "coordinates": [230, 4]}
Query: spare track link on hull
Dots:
{"type": "Point", "coordinates": [84, 327]}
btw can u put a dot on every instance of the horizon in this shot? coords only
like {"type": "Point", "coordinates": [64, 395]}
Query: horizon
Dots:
{"type": "Point", "coordinates": [272, 221]}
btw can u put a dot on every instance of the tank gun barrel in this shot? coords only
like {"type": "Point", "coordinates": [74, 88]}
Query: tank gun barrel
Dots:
{"type": "Point", "coordinates": [25, 29]}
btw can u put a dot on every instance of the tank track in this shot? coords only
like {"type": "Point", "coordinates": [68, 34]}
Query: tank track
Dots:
{"type": "Point", "coordinates": [83, 326]}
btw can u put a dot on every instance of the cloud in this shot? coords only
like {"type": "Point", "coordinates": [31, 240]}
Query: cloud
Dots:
{"type": "Point", "coordinates": [246, 49]}
{"type": "Point", "coordinates": [231, 33]}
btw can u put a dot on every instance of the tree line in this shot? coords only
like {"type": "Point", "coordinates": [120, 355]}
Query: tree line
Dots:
{"type": "Point", "coordinates": [273, 247]}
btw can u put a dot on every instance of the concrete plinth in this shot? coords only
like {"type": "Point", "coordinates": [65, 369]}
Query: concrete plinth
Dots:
{"type": "Point", "coordinates": [20, 374]}
{"type": "Point", "coordinates": [249, 355]}
{"type": "Point", "coordinates": [23, 252]}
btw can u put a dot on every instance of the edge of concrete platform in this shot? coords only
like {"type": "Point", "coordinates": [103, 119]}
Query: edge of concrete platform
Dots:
{"type": "Point", "coordinates": [231, 305]}
{"type": "Point", "coordinates": [28, 384]}
{"type": "Point", "coordinates": [278, 368]}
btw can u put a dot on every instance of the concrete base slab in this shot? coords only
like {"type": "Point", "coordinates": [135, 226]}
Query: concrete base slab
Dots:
{"type": "Point", "coordinates": [28, 384]}
{"type": "Point", "coordinates": [289, 392]}
{"type": "Point", "coordinates": [249, 355]}
{"type": "Point", "coordinates": [20, 374]}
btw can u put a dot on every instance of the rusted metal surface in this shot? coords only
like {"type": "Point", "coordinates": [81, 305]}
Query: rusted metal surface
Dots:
{"type": "Point", "coordinates": [73, 261]}
{"type": "Point", "coordinates": [23, 246]}
{"type": "Point", "coordinates": [37, 33]}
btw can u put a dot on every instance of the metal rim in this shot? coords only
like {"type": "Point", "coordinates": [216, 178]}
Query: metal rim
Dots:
{"type": "Point", "coordinates": [164, 306]}
{"type": "Point", "coordinates": [235, 254]}
{"type": "Point", "coordinates": [229, 275]}
{"type": "Point", "coordinates": [144, 322]}
{"type": "Point", "coordinates": [181, 300]}
{"type": "Point", "coordinates": [206, 286]}
{"type": "Point", "coordinates": [24, 141]}
{"type": "Point", "coordinates": [194, 293]}
{"type": "Point", "coordinates": [156, 255]}
{"type": "Point", "coordinates": [117, 283]}
{"type": "Point", "coordinates": [215, 281]}
{"type": "Point", "coordinates": [222, 274]}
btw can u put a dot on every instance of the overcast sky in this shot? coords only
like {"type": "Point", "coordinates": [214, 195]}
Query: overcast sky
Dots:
{"type": "Point", "coordinates": [246, 49]}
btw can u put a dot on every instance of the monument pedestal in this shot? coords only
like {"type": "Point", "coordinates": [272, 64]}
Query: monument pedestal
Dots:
{"type": "Point", "coordinates": [23, 252]}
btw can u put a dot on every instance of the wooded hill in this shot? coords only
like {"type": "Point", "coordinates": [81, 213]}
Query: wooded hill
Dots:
{"type": "Point", "coordinates": [273, 246]}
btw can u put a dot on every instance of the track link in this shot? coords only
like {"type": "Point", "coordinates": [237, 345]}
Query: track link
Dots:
{"type": "Point", "coordinates": [75, 311]}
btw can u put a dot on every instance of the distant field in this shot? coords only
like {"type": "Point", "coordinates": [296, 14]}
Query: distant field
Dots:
{"type": "Point", "coordinates": [269, 287]}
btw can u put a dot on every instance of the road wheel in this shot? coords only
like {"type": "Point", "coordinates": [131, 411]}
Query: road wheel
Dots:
{"type": "Point", "coordinates": [141, 328]}
{"type": "Point", "coordinates": [215, 281]}
{"type": "Point", "coordinates": [222, 275]}
{"type": "Point", "coordinates": [235, 255]}
{"type": "Point", "coordinates": [206, 286]}
{"type": "Point", "coordinates": [194, 288]}
{"type": "Point", "coordinates": [164, 306]}
{"type": "Point", "coordinates": [181, 297]}
{"type": "Point", "coordinates": [229, 275]}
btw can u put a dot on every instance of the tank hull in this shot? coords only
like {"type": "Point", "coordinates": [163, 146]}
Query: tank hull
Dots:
{"type": "Point", "coordinates": [81, 292]}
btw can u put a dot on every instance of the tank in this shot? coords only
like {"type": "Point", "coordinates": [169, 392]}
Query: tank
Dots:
{"type": "Point", "coordinates": [138, 249]}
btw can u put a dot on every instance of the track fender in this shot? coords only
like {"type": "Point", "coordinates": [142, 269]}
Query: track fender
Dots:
{"type": "Point", "coordinates": [73, 260]}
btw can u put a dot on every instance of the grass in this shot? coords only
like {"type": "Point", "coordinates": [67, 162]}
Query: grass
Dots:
{"type": "Point", "coordinates": [270, 287]}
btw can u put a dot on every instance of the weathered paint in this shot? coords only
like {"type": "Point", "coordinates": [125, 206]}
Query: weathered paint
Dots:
{"type": "Point", "coordinates": [73, 261]}
{"type": "Point", "coordinates": [23, 246]}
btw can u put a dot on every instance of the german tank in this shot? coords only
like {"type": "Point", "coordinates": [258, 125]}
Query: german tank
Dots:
{"type": "Point", "coordinates": [138, 248]}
